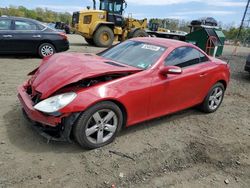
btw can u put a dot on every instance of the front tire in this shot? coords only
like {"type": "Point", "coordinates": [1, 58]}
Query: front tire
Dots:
{"type": "Point", "coordinates": [46, 49]}
{"type": "Point", "coordinates": [98, 125]}
{"type": "Point", "coordinates": [103, 37]}
{"type": "Point", "coordinates": [213, 99]}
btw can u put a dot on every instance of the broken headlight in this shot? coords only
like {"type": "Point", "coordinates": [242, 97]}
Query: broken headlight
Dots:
{"type": "Point", "coordinates": [55, 103]}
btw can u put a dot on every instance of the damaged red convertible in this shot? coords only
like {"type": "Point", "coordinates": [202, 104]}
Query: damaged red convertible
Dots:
{"type": "Point", "coordinates": [91, 97]}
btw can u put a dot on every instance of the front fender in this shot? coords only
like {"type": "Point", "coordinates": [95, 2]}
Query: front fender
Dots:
{"type": "Point", "coordinates": [91, 96]}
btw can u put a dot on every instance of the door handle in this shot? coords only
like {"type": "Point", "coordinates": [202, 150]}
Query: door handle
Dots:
{"type": "Point", "coordinates": [203, 75]}
{"type": "Point", "coordinates": [7, 36]}
{"type": "Point", "coordinates": [36, 36]}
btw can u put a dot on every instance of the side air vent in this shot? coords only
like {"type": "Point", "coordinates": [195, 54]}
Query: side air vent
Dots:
{"type": "Point", "coordinates": [114, 64]}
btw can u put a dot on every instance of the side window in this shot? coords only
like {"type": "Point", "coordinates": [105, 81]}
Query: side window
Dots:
{"type": "Point", "coordinates": [25, 25]}
{"type": "Point", "coordinates": [110, 7]}
{"type": "Point", "coordinates": [183, 57]}
{"type": "Point", "coordinates": [5, 24]}
{"type": "Point", "coordinates": [117, 8]}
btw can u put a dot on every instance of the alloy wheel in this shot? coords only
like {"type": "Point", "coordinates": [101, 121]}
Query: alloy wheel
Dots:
{"type": "Point", "coordinates": [101, 126]}
{"type": "Point", "coordinates": [47, 50]}
{"type": "Point", "coordinates": [215, 98]}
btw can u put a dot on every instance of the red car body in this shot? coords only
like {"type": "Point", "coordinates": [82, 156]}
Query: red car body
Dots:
{"type": "Point", "coordinates": [142, 94]}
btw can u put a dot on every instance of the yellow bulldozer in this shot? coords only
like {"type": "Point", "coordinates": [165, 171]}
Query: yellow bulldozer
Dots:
{"type": "Point", "coordinates": [101, 27]}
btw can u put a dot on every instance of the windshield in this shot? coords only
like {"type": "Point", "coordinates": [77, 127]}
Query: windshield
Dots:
{"type": "Point", "coordinates": [137, 54]}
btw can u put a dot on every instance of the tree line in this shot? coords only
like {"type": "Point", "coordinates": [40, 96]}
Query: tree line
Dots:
{"type": "Point", "coordinates": [40, 14]}
{"type": "Point", "coordinates": [45, 15]}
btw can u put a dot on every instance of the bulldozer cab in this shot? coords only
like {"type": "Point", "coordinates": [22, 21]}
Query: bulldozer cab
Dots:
{"type": "Point", "coordinates": [114, 9]}
{"type": "Point", "coordinates": [113, 6]}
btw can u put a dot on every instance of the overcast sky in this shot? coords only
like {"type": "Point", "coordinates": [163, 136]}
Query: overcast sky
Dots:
{"type": "Point", "coordinates": [227, 11]}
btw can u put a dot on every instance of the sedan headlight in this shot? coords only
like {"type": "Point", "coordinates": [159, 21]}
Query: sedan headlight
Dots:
{"type": "Point", "coordinates": [55, 103]}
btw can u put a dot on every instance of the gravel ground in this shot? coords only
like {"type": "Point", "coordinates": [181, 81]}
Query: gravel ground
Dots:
{"type": "Point", "coordinates": [186, 149]}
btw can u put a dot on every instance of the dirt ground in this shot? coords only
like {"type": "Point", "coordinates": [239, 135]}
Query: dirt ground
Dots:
{"type": "Point", "coordinates": [187, 149]}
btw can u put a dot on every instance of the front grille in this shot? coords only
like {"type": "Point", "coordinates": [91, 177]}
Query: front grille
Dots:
{"type": "Point", "coordinates": [34, 95]}
{"type": "Point", "coordinates": [36, 99]}
{"type": "Point", "coordinates": [29, 90]}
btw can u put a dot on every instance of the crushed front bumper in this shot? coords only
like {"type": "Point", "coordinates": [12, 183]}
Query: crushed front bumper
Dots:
{"type": "Point", "coordinates": [50, 127]}
{"type": "Point", "coordinates": [32, 113]}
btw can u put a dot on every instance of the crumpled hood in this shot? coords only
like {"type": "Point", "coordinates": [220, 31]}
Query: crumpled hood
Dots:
{"type": "Point", "coordinates": [65, 68]}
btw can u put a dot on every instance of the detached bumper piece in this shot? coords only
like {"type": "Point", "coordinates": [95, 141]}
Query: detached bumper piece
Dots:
{"type": "Point", "coordinates": [51, 127]}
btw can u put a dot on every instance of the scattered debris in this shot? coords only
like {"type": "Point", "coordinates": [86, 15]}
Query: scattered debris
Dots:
{"type": "Point", "coordinates": [121, 175]}
{"type": "Point", "coordinates": [106, 182]}
{"type": "Point", "coordinates": [8, 152]}
{"type": "Point", "coordinates": [121, 154]}
{"type": "Point", "coordinates": [226, 181]}
{"type": "Point", "coordinates": [97, 173]}
{"type": "Point", "coordinates": [236, 179]}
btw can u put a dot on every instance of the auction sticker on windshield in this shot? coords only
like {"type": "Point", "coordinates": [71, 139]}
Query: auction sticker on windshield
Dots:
{"type": "Point", "coordinates": [151, 47]}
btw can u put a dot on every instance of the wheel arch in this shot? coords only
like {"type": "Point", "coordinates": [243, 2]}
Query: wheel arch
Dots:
{"type": "Point", "coordinates": [116, 102]}
{"type": "Point", "coordinates": [224, 83]}
{"type": "Point", "coordinates": [124, 111]}
{"type": "Point", "coordinates": [107, 24]}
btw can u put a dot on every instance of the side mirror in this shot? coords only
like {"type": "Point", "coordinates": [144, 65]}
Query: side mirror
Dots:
{"type": "Point", "coordinates": [170, 70]}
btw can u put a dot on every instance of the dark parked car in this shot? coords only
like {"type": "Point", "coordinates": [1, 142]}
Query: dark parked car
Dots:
{"type": "Point", "coordinates": [247, 67]}
{"type": "Point", "coordinates": [22, 35]}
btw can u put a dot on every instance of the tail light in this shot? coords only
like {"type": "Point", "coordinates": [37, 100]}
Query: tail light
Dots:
{"type": "Point", "coordinates": [64, 36]}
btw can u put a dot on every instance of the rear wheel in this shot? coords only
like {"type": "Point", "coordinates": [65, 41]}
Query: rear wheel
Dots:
{"type": "Point", "coordinates": [90, 41]}
{"type": "Point", "coordinates": [139, 33]}
{"type": "Point", "coordinates": [46, 49]}
{"type": "Point", "coordinates": [103, 37]}
{"type": "Point", "coordinates": [214, 98]}
{"type": "Point", "coordinates": [99, 125]}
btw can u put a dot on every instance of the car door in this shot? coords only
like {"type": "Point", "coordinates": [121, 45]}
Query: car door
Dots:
{"type": "Point", "coordinates": [6, 35]}
{"type": "Point", "coordinates": [171, 93]}
{"type": "Point", "coordinates": [27, 36]}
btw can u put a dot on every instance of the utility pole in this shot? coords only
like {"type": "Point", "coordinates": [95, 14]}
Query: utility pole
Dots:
{"type": "Point", "coordinates": [245, 20]}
